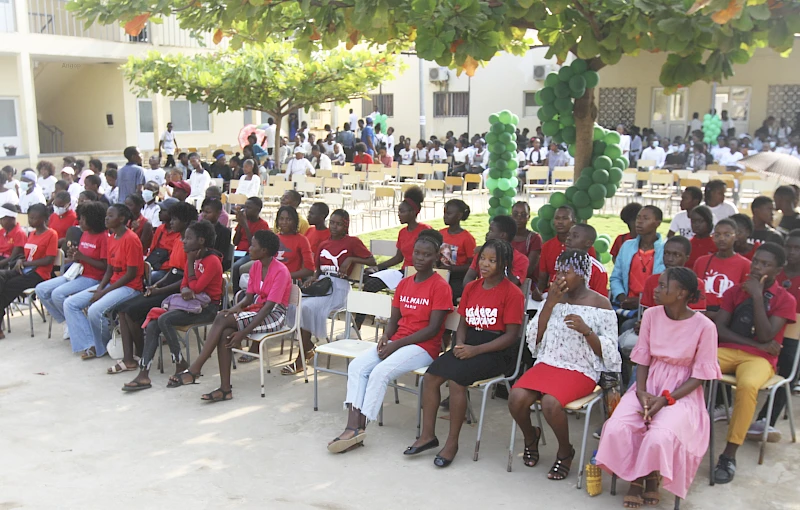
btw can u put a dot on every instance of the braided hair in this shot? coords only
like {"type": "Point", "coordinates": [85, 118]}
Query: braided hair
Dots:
{"type": "Point", "coordinates": [434, 237]}
{"type": "Point", "coordinates": [460, 205]}
{"type": "Point", "coordinates": [345, 216]}
{"type": "Point", "coordinates": [577, 260]}
{"type": "Point", "coordinates": [504, 253]}
{"type": "Point", "coordinates": [686, 279]}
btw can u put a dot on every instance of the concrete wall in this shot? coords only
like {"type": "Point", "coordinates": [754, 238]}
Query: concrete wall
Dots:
{"type": "Point", "coordinates": [10, 88]}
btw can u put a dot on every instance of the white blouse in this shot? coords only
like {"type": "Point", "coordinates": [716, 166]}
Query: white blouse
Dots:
{"type": "Point", "coordinates": [562, 347]}
{"type": "Point", "coordinates": [249, 188]}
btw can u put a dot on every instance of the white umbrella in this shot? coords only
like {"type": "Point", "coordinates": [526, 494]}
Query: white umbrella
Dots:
{"type": "Point", "coordinates": [783, 165]}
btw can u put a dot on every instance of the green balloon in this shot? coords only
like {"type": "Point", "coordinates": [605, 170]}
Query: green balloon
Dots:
{"type": "Point", "coordinates": [611, 190]}
{"type": "Point", "coordinates": [548, 111]}
{"type": "Point", "coordinates": [587, 172]}
{"type": "Point", "coordinates": [626, 161]}
{"type": "Point", "coordinates": [565, 73]}
{"type": "Point", "coordinates": [581, 199]}
{"type": "Point", "coordinates": [503, 138]}
{"type": "Point", "coordinates": [602, 162]}
{"type": "Point", "coordinates": [505, 117]}
{"type": "Point", "coordinates": [612, 138]}
{"type": "Point", "coordinates": [491, 184]}
{"type": "Point", "coordinates": [491, 138]}
{"type": "Point", "coordinates": [566, 119]}
{"type": "Point", "coordinates": [501, 211]}
{"type": "Point", "coordinates": [494, 201]}
{"type": "Point", "coordinates": [494, 173]}
{"type": "Point", "coordinates": [511, 192]}
{"type": "Point", "coordinates": [558, 199]}
{"type": "Point", "coordinates": [570, 192]}
{"type": "Point", "coordinates": [613, 152]}
{"type": "Point", "coordinates": [506, 156]}
{"type": "Point", "coordinates": [598, 204]}
{"type": "Point", "coordinates": [572, 149]}
{"type": "Point", "coordinates": [596, 191]}
{"type": "Point", "coordinates": [492, 212]}
{"type": "Point", "coordinates": [562, 88]}
{"type": "Point", "coordinates": [620, 163]}
{"type": "Point", "coordinates": [548, 95]}
{"type": "Point", "coordinates": [605, 258]}
{"type": "Point", "coordinates": [577, 94]}
{"type": "Point", "coordinates": [563, 105]}
{"type": "Point", "coordinates": [585, 213]}
{"type": "Point", "coordinates": [511, 146]}
{"type": "Point", "coordinates": [592, 79]}
{"type": "Point", "coordinates": [599, 133]}
{"type": "Point", "coordinates": [583, 183]}
{"type": "Point", "coordinates": [507, 174]}
{"type": "Point", "coordinates": [512, 164]}
{"type": "Point", "coordinates": [601, 245]}
{"type": "Point", "coordinates": [537, 97]}
{"type": "Point", "coordinates": [598, 147]}
{"type": "Point", "coordinates": [494, 119]}
{"type": "Point", "coordinates": [506, 202]}
{"type": "Point", "coordinates": [535, 224]}
{"type": "Point", "coordinates": [579, 66]}
{"type": "Point", "coordinates": [497, 128]}
{"type": "Point", "coordinates": [606, 237]}
{"type": "Point", "coordinates": [577, 83]}
{"type": "Point", "coordinates": [504, 184]}
{"type": "Point", "coordinates": [550, 127]}
{"type": "Point", "coordinates": [547, 212]}
{"type": "Point", "coordinates": [614, 175]}
{"type": "Point", "coordinates": [510, 129]}
{"type": "Point", "coordinates": [600, 176]}
{"type": "Point", "coordinates": [569, 134]}
{"type": "Point", "coordinates": [551, 80]}
{"type": "Point", "coordinates": [545, 229]}
{"type": "Point", "coordinates": [513, 183]}
{"type": "Point", "coordinates": [514, 119]}
{"type": "Point", "coordinates": [497, 148]}
{"type": "Point", "coordinates": [541, 113]}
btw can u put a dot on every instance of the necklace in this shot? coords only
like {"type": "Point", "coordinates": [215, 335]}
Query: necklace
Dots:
{"type": "Point", "coordinates": [643, 262]}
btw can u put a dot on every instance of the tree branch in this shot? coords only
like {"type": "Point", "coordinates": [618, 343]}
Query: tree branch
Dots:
{"type": "Point", "coordinates": [598, 34]}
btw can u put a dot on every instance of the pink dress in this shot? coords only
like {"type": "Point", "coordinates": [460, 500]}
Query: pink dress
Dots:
{"type": "Point", "coordinates": [678, 435]}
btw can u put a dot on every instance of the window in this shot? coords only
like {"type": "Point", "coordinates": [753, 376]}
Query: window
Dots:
{"type": "Point", "coordinates": [384, 102]}
{"type": "Point", "coordinates": [450, 104]}
{"type": "Point", "coordinates": [252, 116]}
{"type": "Point", "coordinates": [186, 116]}
{"type": "Point", "coordinates": [8, 118]}
{"type": "Point", "coordinates": [531, 107]}
{"type": "Point", "coordinates": [736, 100]}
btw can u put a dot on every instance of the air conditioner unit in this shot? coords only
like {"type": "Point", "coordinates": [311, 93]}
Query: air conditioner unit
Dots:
{"type": "Point", "coordinates": [540, 72]}
{"type": "Point", "coordinates": [438, 74]}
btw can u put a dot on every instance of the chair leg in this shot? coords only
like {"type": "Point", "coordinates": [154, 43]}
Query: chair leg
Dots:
{"type": "Point", "coordinates": [711, 400]}
{"type": "Point", "coordinates": [480, 421]}
{"type": "Point", "coordinates": [316, 387]}
{"type": "Point", "coordinates": [511, 445]}
{"type": "Point", "coordinates": [396, 393]}
{"type": "Point", "coordinates": [419, 407]}
{"type": "Point", "coordinates": [380, 416]}
{"type": "Point", "coordinates": [677, 503]}
{"type": "Point", "coordinates": [30, 312]}
{"type": "Point", "coordinates": [613, 484]}
{"type": "Point", "coordinates": [50, 328]}
{"type": "Point", "coordinates": [586, 419]}
{"type": "Point", "coordinates": [261, 348]}
{"type": "Point", "coordinates": [790, 411]}
{"type": "Point", "coordinates": [762, 446]}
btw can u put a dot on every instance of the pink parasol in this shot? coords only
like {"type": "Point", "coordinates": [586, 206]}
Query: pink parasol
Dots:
{"type": "Point", "coordinates": [247, 131]}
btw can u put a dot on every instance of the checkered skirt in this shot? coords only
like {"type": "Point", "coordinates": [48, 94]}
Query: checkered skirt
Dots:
{"type": "Point", "coordinates": [271, 323]}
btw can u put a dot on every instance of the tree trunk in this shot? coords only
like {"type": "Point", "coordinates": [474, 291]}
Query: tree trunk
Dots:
{"type": "Point", "coordinates": [276, 150]}
{"type": "Point", "coordinates": [585, 114]}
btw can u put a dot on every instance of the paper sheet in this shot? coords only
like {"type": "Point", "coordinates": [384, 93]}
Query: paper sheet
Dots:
{"type": "Point", "coordinates": [391, 277]}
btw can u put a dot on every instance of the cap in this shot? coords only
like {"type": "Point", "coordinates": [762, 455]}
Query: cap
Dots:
{"type": "Point", "coordinates": [167, 203]}
{"type": "Point", "coordinates": [185, 186]}
{"type": "Point", "coordinates": [29, 174]}
{"type": "Point", "coordinates": [68, 170]}
{"type": "Point", "coordinates": [7, 213]}
{"type": "Point", "coordinates": [299, 149]}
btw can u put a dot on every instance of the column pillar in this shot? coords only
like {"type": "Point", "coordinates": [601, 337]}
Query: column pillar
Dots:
{"type": "Point", "coordinates": [28, 113]}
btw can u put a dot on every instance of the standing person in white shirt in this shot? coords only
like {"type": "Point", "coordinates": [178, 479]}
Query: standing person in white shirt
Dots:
{"type": "Point", "coordinates": [654, 153]}
{"type": "Point", "coordinates": [269, 135]}
{"type": "Point", "coordinates": [732, 157]}
{"type": "Point", "coordinates": [298, 166]}
{"type": "Point", "coordinates": [151, 209]}
{"type": "Point", "coordinates": [353, 120]}
{"type": "Point", "coordinates": [46, 181]}
{"type": "Point", "coordinates": [249, 183]}
{"type": "Point", "coordinates": [155, 172]}
{"type": "Point", "coordinates": [168, 144]}
{"type": "Point", "coordinates": [681, 224]}
{"type": "Point", "coordinates": [300, 141]}
{"type": "Point", "coordinates": [380, 137]}
{"type": "Point", "coordinates": [407, 153]}
{"type": "Point", "coordinates": [726, 128]}
{"type": "Point", "coordinates": [624, 140]}
{"type": "Point", "coordinates": [320, 160]}
{"type": "Point", "coordinates": [694, 125]}
{"type": "Point", "coordinates": [390, 141]}
{"type": "Point", "coordinates": [31, 194]}
{"type": "Point", "coordinates": [200, 179]}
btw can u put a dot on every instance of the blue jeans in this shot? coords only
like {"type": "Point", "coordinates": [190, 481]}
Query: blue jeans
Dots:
{"type": "Point", "coordinates": [91, 330]}
{"type": "Point", "coordinates": [52, 293]}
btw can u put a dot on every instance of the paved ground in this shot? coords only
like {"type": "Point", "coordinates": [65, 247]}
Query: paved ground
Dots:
{"type": "Point", "coordinates": [71, 439]}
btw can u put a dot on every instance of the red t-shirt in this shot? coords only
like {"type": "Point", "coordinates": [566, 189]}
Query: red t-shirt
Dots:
{"type": "Point", "coordinates": [207, 277]}
{"type": "Point", "coordinates": [416, 302]}
{"type": "Point", "coordinates": [123, 253]}
{"type": "Point", "coordinates": [295, 252]}
{"type": "Point", "coordinates": [163, 238]}
{"type": "Point", "coordinates": [177, 257]}
{"type": "Point", "coordinates": [618, 242]}
{"type": "Point", "coordinates": [9, 239]}
{"type": "Point", "coordinates": [335, 251]}
{"type": "Point", "coordinates": [255, 226]}
{"type": "Point", "coordinates": [641, 268]}
{"type": "Point", "coordinates": [700, 248]}
{"type": "Point", "coordinates": [491, 309]}
{"type": "Point", "coordinates": [519, 266]}
{"type": "Point", "coordinates": [718, 275]}
{"type": "Point", "coordinates": [406, 240]}
{"type": "Point", "coordinates": [792, 285]}
{"type": "Point", "coordinates": [648, 296]}
{"type": "Point", "coordinates": [598, 282]}
{"type": "Point", "coordinates": [782, 304]}
{"type": "Point", "coordinates": [61, 223]}
{"type": "Point", "coordinates": [276, 286]}
{"type": "Point", "coordinates": [94, 246]}
{"type": "Point", "coordinates": [317, 237]}
{"type": "Point", "coordinates": [42, 245]}
{"type": "Point", "coordinates": [550, 252]}
{"type": "Point", "coordinates": [363, 158]}
{"type": "Point", "coordinates": [456, 248]}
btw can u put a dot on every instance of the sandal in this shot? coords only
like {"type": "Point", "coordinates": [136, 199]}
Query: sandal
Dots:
{"type": "Point", "coordinates": [296, 366]}
{"type": "Point", "coordinates": [652, 498]}
{"type": "Point", "coordinates": [136, 386]}
{"type": "Point", "coordinates": [89, 354]}
{"type": "Point", "coordinates": [530, 456]}
{"type": "Point", "coordinates": [246, 358]}
{"type": "Point", "coordinates": [120, 367]}
{"type": "Point", "coordinates": [560, 470]}
{"type": "Point", "coordinates": [342, 445]}
{"type": "Point", "coordinates": [177, 379]}
{"type": "Point", "coordinates": [633, 501]}
{"type": "Point", "coordinates": [223, 395]}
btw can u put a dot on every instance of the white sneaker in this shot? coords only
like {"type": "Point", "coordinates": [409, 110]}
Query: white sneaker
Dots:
{"type": "Point", "coordinates": [756, 432]}
{"type": "Point", "coordinates": [353, 335]}
{"type": "Point", "coordinates": [796, 389]}
{"type": "Point", "coordinates": [720, 414]}
{"type": "Point", "coordinates": [65, 336]}
{"type": "Point", "coordinates": [758, 426]}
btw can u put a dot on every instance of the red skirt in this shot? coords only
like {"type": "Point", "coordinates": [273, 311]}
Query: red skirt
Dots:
{"type": "Point", "coordinates": [565, 385]}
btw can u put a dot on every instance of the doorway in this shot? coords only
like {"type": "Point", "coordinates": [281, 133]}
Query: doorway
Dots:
{"type": "Point", "coordinates": [146, 139]}
{"type": "Point", "coordinates": [669, 114]}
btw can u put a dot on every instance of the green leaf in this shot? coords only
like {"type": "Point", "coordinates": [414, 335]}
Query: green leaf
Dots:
{"type": "Point", "coordinates": [759, 12]}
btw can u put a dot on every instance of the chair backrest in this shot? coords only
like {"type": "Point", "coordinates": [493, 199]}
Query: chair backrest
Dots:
{"type": "Point", "coordinates": [444, 273]}
{"type": "Point", "coordinates": [384, 192]}
{"type": "Point", "coordinates": [452, 321]}
{"type": "Point", "coordinates": [369, 303]}
{"type": "Point", "coordinates": [361, 195]}
{"type": "Point", "coordinates": [563, 174]}
{"type": "Point", "coordinates": [434, 184]}
{"type": "Point", "coordinates": [692, 182]}
{"type": "Point", "coordinates": [306, 187]}
{"type": "Point", "coordinates": [408, 171]}
{"type": "Point", "coordinates": [233, 185]}
{"type": "Point", "coordinates": [440, 167]}
{"type": "Point", "coordinates": [665, 179]}
{"type": "Point", "coordinates": [646, 163]}
{"type": "Point", "coordinates": [325, 174]}
{"type": "Point", "coordinates": [236, 199]}
{"type": "Point", "coordinates": [537, 173]}
{"type": "Point", "coordinates": [335, 200]}
{"type": "Point", "coordinates": [454, 180]}
{"type": "Point", "coordinates": [473, 178]}
{"type": "Point", "coordinates": [59, 263]}
{"type": "Point", "coordinates": [383, 248]}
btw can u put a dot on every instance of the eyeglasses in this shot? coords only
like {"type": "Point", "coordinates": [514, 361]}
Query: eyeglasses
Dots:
{"type": "Point", "coordinates": [727, 235]}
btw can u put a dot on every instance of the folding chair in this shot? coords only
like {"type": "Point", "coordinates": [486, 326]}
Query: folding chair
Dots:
{"type": "Point", "coordinates": [29, 295]}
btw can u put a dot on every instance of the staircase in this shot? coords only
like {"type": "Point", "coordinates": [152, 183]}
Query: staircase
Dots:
{"type": "Point", "coordinates": [51, 139]}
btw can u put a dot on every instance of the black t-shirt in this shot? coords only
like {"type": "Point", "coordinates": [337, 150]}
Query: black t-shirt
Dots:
{"type": "Point", "coordinates": [222, 244]}
{"type": "Point", "coordinates": [767, 235]}
{"type": "Point", "coordinates": [789, 223]}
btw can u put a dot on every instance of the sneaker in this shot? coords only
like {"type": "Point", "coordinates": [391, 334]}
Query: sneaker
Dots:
{"type": "Point", "coordinates": [725, 470]}
{"type": "Point", "coordinates": [353, 335]}
{"type": "Point", "coordinates": [596, 433]}
{"type": "Point", "coordinates": [721, 414]}
{"type": "Point", "coordinates": [756, 432]}
{"type": "Point", "coordinates": [65, 336]}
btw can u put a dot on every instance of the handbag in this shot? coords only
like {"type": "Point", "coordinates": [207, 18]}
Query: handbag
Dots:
{"type": "Point", "coordinates": [158, 256]}
{"type": "Point", "coordinates": [176, 302]}
{"type": "Point", "coordinates": [319, 288]}
{"type": "Point", "coordinates": [742, 319]}
{"type": "Point", "coordinates": [73, 271]}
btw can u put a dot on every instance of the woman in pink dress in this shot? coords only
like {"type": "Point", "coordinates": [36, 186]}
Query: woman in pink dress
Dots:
{"type": "Point", "coordinates": [660, 429]}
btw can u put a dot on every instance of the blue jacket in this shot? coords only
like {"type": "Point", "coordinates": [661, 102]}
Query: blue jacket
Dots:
{"type": "Point", "coordinates": [622, 267]}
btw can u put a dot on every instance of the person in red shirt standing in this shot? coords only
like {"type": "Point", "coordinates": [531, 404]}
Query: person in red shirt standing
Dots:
{"type": "Point", "coordinates": [581, 237]}
{"type": "Point", "coordinates": [722, 270]}
{"type": "Point", "coordinates": [486, 346]}
{"type": "Point", "coordinates": [702, 243]}
{"type": "Point", "coordinates": [458, 245]}
{"type": "Point", "coordinates": [122, 280]}
{"type": "Point", "coordinates": [12, 237]}
{"type": "Point", "coordinates": [63, 217]}
{"type": "Point", "coordinates": [317, 232]}
{"type": "Point", "coordinates": [503, 228]}
{"type": "Point", "coordinates": [563, 219]}
{"type": "Point", "coordinates": [411, 340]}
{"type": "Point", "coordinates": [36, 266]}
{"type": "Point", "coordinates": [202, 275]}
{"type": "Point", "coordinates": [91, 253]}
{"type": "Point", "coordinates": [628, 215]}
{"type": "Point", "coordinates": [750, 324]}
{"type": "Point", "coordinates": [248, 223]}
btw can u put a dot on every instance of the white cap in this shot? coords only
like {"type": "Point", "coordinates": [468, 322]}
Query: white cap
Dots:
{"type": "Point", "coordinates": [299, 149]}
{"type": "Point", "coordinates": [30, 175]}
{"type": "Point", "coordinates": [68, 170]}
{"type": "Point", "coordinates": [7, 213]}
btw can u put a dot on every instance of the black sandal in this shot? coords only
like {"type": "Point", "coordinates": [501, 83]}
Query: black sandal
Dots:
{"type": "Point", "coordinates": [560, 471]}
{"type": "Point", "coordinates": [177, 379]}
{"type": "Point", "coordinates": [225, 395]}
{"type": "Point", "coordinates": [530, 456]}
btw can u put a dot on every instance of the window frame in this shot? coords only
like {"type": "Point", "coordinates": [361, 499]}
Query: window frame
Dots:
{"type": "Point", "coordinates": [371, 99]}
{"type": "Point", "coordinates": [450, 104]}
{"type": "Point", "coordinates": [525, 106]}
{"type": "Point", "coordinates": [15, 140]}
{"type": "Point", "coordinates": [191, 120]}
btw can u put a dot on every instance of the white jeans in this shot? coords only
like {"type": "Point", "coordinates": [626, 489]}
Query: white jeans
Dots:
{"type": "Point", "coordinates": [368, 376]}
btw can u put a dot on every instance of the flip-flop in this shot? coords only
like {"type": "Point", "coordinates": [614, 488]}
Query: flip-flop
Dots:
{"type": "Point", "coordinates": [137, 386]}
{"type": "Point", "coordinates": [342, 445]}
{"type": "Point", "coordinates": [120, 367]}
{"type": "Point", "coordinates": [246, 358]}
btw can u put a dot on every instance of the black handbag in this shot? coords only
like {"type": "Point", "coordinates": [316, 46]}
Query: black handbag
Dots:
{"type": "Point", "coordinates": [157, 258]}
{"type": "Point", "coordinates": [743, 320]}
{"type": "Point", "coordinates": [319, 288]}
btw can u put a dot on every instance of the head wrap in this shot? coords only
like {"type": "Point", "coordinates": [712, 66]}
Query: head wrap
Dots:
{"type": "Point", "coordinates": [415, 206]}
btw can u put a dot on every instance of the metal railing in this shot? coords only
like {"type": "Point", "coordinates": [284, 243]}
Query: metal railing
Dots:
{"type": "Point", "coordinates": [51, 139]}
{"type": "Point", "coordinates": [173, 35]}
{"type": "Point", "coordinates": [52, 17]}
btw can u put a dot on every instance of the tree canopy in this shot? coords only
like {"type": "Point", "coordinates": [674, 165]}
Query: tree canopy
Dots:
{"type": "Point", "coordinates": [265, 77]}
